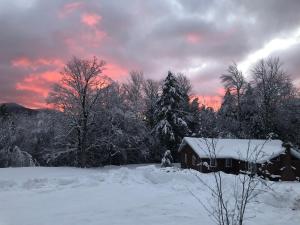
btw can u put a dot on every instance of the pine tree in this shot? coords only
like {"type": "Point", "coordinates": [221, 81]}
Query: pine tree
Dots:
{"type": "Point", "coordinates": [185, 88]}
{"type": "Point", "coordinates": [228, 122]}
{"type": "Point", "coordinates": [207, 123]}
{"type": "Point", "coordinates": [151, 90]}
{"type": "Point", "coordinates": [190, 109]}
{"type": "Point", "coordinates": [170, 125]}
{"type": "Point", "coordinates": [194, 117]}
{"type": "Point", "coordinates": [228, 108]}
{"type": "Point", "coordinates": [250, 121]}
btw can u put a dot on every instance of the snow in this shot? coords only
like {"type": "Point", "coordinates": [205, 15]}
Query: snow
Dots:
{"type": "Point", "coordinates": [295, 153]}
{"type": "Point", "coordinates": [126, 195]}
{"type": "Point", "coordinates": [234, 148]}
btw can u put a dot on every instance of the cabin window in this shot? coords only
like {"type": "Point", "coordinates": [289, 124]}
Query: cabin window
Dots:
{"type": "Point", "coordinates": [252, 167]}
{"type": "Point", "coordinates": [194, 160]}
{"type": "Point", "coordinates": [213, 162]}
{"type": "Point", "coordinates": [228, 162]}
{"type": "Point", "coordinates": [185, 158]}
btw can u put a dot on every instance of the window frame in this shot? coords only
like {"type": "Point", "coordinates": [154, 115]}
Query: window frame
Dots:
{"type": "Point", "coordinates": [252, 167]}
{"type": "Point", "coordinates": [213, 160]}
{"type": "Point", "coordinates": [228, 162]}
{"type": "Point", "coordinates": [186, 158]}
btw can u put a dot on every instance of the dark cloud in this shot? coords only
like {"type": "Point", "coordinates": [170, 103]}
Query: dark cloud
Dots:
{"type": "Point", "coordinates": [197, 37]}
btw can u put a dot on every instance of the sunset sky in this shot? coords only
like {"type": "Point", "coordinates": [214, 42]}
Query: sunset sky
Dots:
{"type": "Point", "coordinates": [195, 37]}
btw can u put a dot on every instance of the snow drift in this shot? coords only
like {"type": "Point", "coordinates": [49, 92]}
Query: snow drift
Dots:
{"type": "Point", "coordinates": [126, 195]}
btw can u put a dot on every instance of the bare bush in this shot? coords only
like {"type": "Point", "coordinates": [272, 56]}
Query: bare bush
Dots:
{"type": "Point", "coordinates": [229, 203]}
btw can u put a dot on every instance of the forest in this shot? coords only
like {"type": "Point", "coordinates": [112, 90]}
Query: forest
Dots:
{"type": "Point", "coordinates": [94, 121]}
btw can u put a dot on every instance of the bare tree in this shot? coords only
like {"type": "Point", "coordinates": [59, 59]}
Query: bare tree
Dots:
{"type": "Point", "coordinates": [134, 91]}
{"type": "Point", "coordinates": [229, 205]}
{"type": "Point", "coordinates": [273, 87]}
{"type": "Point", "coordinates": [77, 95]}
{"type": "Point", "coordinates": [151, 91]}
{"type": "Point", "coordinates": [234, 80]}
{"type": "Point", "coordinates": [184, 83]}
{"type": "Point", "coordinates": [186, 89]}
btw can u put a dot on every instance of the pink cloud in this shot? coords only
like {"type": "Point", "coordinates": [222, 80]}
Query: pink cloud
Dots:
{"type": "Point", "coordinates": [70, 8]}
{"type": "Point", "coordinates": [115, 71]}
{"type": "Point", "coordinates": [90, 19]}
{"type": "Point", "coordinates": [39, 83]}
{"type": "Point", "coordinates": [193, 38]}
{"type": "Point", "coordinates": [209, 100]}
{"type": "Point", "coordinates": [93, 38]}
{"type": "Point", "coordinates": [25, 62]}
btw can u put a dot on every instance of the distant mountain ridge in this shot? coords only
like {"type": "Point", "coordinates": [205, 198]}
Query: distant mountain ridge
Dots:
{"type": "Point", "coordinates": [14, 108]}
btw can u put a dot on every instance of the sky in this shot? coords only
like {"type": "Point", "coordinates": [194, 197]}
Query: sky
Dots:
{"type": "Point", "coordinates": [196, 37]}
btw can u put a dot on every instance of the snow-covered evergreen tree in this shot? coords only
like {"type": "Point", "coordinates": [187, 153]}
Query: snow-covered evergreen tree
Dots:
{"type": "Point", "coordinates": [227, 120]}
{"type": "Point", "coordinates": [170, 124]}
{"type": "Point", "coordinates": [228, 107]}
{"type": "Point", "coordinates": [194, 117]}
{"type": "Point", "coordinates": [250, 121]}
{"type": "Point", "coordinates": [207, 123]}
{"type": "Point", "coordinates": [151, 90]}
{"type": "Point", "coordinates": [185, 88]}
{"type": "Point", "coordinates": [167, 159]}
{"type": "Point", "coordinates": [190, 109]}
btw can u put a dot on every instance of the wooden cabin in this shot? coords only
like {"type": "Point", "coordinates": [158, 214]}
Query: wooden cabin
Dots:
{"type": "Point", "coordinates": [270, 159]}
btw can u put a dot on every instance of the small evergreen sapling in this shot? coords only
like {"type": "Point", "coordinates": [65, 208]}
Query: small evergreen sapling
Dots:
{"type": "Point", "coordinates": [167, 160]}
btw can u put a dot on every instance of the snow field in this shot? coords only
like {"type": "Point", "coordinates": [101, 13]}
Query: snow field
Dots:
{"type": "Point", "coordinates": [126, 195]}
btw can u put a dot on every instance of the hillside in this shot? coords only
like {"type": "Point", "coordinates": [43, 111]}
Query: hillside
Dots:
{"type": "Point", "coordinates": [14, 108]}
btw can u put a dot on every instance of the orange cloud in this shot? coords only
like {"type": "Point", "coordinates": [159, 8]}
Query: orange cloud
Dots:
{"type": "Point", "coordinates": [34, 102]}
{"type": "Point", "coordinates": [90, 19]}
{"type": "Point", "coordinates": [209, 101]}
{"type": "Point", "coordinates": [39, 83]}
{"type": "Point", "coordinates": [51, 76]}
{"type": "Point", "coordinates": [221, 91]}
{"type": "Point", "coordinates": [21, 62]}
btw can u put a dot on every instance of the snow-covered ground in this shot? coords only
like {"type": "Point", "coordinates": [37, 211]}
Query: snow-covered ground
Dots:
{"type": "Point", "coordinates": [125, 195]}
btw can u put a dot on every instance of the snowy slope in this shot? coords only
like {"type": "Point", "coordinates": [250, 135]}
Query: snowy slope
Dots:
{"type": "Point", "coordinates": [125, 195]}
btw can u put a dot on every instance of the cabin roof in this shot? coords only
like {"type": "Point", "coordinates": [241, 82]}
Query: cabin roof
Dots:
{"type": "Point", "coordinates": [295, 153]}
{"type": "Point", "coordinates": [259, 150]}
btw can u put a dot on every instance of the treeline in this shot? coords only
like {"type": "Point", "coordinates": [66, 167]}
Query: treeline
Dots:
{"type": "Point", "coordinates": [99, 121]}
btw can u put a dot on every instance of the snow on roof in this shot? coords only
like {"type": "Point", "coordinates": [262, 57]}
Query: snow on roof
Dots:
{"type": "Point", "coordinates": [259, 150]}
{"type": "Point", "coordinates": [295, 153]}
